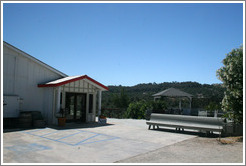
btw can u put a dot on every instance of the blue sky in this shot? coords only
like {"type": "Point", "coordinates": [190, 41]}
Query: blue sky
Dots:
{"type": "Point", "coordinates": [128, 44]}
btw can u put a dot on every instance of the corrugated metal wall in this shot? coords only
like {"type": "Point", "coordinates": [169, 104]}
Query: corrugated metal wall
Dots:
{"type": "Point", "coordinates": [21, 76]}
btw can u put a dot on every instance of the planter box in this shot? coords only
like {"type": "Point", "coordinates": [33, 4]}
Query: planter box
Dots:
{"type": "Point", "coordinates": [61, 121]}
{"type": "Point", "coordinates": [102, 120]}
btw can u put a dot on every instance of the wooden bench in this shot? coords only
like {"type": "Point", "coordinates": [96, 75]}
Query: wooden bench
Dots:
{"type": "Point", "coordinates": [208, 124]}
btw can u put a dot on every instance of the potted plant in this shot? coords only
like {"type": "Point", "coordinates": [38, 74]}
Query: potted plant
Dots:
{"type": "Point", "coordinates": [61, 117]}
{"type": "Point", "coordinates": [102, 119]}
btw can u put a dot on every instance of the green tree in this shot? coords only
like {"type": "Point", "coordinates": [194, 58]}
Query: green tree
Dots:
{"type": "Point", "coordinates": [158, 105]}
{"type": "Point", "coordinates": [231, 74]}
{"type": "Point", "coordinates": [136, 110]}
{"type": "Point", "coordinates": [121, 100]}
{"type": "Point", "coordinates": [212, 106]}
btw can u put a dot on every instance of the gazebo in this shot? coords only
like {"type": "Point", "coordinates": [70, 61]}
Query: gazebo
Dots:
{"type": "Point", "coordinates": [172, 92]}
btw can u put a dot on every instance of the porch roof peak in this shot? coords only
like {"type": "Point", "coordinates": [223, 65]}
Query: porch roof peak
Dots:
{"type": "Point", "coordinates": [69, 79]}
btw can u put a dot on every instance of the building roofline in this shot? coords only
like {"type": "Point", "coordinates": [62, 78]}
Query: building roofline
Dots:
{"type": "Point", "coordinates": [34, 59]}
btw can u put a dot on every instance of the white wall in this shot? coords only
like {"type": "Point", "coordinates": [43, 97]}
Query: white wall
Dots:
{"type": "Point", "coordinates": [11, 107]}
{"type": "Point", "coordinates": [21, 76]}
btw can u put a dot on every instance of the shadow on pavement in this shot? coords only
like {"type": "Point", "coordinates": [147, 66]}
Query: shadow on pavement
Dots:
{"type": "Point", "coordinates": [68, 126]}
{"type": "Point", "coordinates": [77, 125]}
{"type": "Point", "coordinates": [200, 134]}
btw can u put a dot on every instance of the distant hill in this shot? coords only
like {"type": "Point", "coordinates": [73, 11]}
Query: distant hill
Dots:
{"type": "Point", "coordinates": [144, 91]}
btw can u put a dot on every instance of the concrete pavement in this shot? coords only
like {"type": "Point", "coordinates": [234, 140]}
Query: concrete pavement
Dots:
{"type": "Point", "coordinates": [86, 143]}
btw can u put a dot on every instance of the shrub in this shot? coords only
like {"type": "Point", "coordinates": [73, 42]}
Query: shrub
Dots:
{"type": "Point", "coordinates": [137, 110]}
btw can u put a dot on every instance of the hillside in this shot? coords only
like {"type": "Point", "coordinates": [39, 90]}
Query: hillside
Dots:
{"type": "Point", "coordinates": [203, 93]}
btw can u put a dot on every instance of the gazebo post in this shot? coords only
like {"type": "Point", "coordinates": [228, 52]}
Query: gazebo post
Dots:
{"type": "Point", "coordinates": [180, 103]}
{"type": "Point", "coordinates": [190, 102]}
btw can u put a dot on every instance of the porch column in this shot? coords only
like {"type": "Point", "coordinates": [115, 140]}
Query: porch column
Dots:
{"type": "Point", "coordinates": [58, 97]}
{"type": "Point", "coordinates": [99, 102]}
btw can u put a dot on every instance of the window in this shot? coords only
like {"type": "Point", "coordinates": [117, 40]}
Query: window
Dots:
{"type": "Point", "coordinates": [61, 98]}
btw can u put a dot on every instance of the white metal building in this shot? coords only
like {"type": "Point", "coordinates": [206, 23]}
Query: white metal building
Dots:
{"type": "Point", "coordinates": [31, 85]}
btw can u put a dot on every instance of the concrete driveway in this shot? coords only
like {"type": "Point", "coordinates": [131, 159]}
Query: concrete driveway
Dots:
{"type": "Point", "coordinates": [86, 143]}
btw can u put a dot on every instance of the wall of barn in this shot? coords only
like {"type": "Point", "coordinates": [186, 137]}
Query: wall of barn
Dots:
{"type": "Point", "coordinates": [21, 75]}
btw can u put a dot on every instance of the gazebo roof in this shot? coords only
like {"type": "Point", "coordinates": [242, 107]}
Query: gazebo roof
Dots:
{"type": "Point", "coordinates": [172, 92]}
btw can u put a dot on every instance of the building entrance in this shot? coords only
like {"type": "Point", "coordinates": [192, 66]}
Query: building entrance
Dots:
{"type": "Point", "coordinates": [75, 107]}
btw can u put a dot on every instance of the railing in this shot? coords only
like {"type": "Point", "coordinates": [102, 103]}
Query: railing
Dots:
{"type": "Point", "coordinates": [192, 112]}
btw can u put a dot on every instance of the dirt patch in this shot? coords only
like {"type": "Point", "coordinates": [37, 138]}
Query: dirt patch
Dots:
{"type": "Point", "coordinates": [195, 150]}
{"type": "Point", "coordinates": [230, 140]}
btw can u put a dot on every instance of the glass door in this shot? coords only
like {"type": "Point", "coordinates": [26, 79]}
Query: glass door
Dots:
{"type": "Point", "coordinates": [70, 107]}
{"type": "Point", "coordinates": [81, 107]}
{"type": "Point", "coordinates": [76, 107]}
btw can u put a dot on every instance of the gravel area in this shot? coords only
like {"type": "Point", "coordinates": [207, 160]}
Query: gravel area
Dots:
{"type": "Point", "coordinates": [195, 150]}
